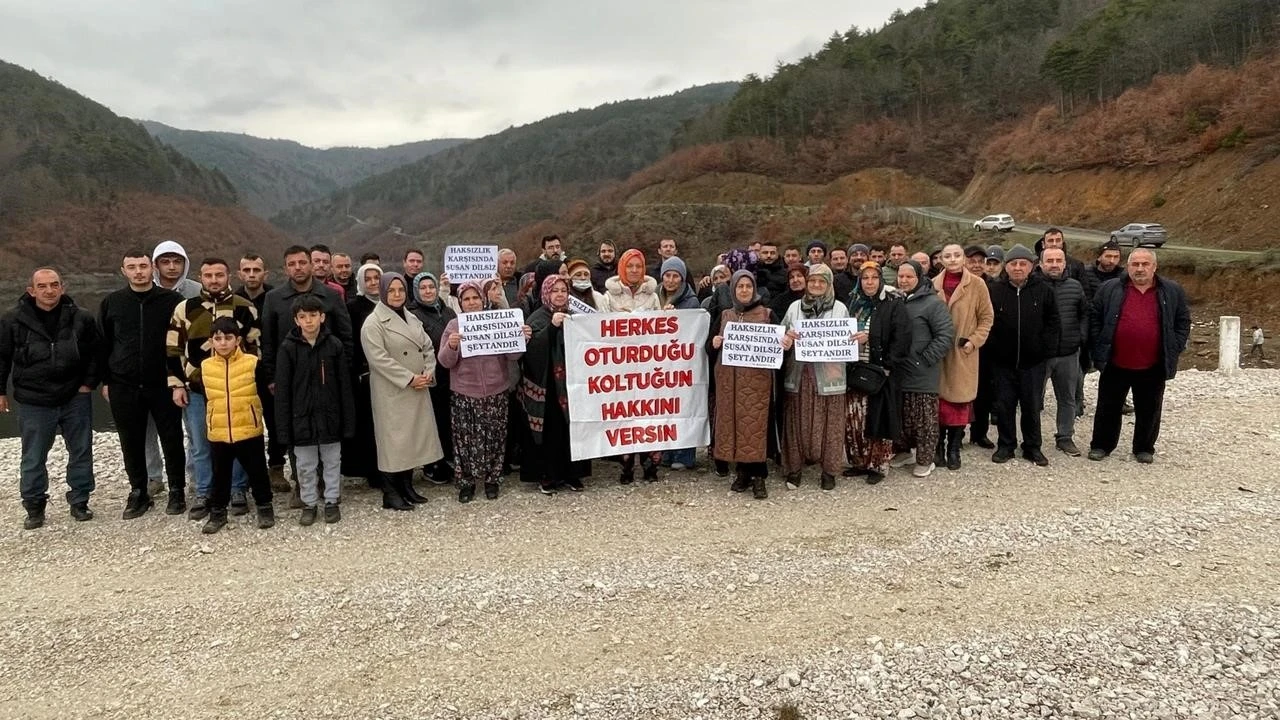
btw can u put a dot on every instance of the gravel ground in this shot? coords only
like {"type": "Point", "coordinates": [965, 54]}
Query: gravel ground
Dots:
{"type": "Point", "coordinates": [1090, 590]}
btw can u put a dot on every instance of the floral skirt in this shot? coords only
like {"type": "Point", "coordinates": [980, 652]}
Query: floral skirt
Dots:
{"type": "Point", "coordinates": [863, 453]}
{"type": "Point", "coordinates": [813, 428]}
{"type": "Point", "coordinates": [479, 437]}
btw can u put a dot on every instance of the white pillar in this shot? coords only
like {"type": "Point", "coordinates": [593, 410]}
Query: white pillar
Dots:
{"type": "Point", "coordinates": [1228, 345]}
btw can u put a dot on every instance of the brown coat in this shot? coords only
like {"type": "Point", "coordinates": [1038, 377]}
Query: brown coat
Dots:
{"type": "Point", "coordinates": [971, 313]}
{"type": "Point", "coordinates": [742, 401]}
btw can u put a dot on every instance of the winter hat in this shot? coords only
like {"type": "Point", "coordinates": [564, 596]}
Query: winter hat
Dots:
{"type": "Point", "coordinates": [1019, 252]}
{"type": "Point", "coordinates": [859, 248]}
{"type": "Point", "coordinates": [995, 252]}
{"type": "Point", "coordinates": [576, 262]}
{"type": "Point", "coordinates": [815, 243]}
{"type": "Point", "coordinates": [674, 263]}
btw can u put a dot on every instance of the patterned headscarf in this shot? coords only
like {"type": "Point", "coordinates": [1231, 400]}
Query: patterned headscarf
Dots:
{"type": "Point", "coordinates": [502, 295]}
{"type": "Point", "coordinates": [472, 285]}
{"type": "Point", "coordinates": [547, 286]}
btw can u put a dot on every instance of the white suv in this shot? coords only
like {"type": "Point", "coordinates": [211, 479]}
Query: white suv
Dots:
{"type": "Point", "coordinates": [999, 223]}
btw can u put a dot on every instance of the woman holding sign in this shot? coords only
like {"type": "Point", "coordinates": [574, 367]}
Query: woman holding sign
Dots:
{"type": "Point", "coordinates": [743, 394]}
{"type": "Point", "coordinates": [813, 421]}
{"type": "Point", "coordinates": [479, 385]}
{"type": "Point", "coordinates": [545, 396]}
{"type": "Point", "coordinates": [402, 367]}
{"type": "Point", "coordinates": [875, 419]}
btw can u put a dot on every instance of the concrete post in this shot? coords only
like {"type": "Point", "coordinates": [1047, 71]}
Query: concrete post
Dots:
{"type": "Point", "coordinates": [1228, 345]}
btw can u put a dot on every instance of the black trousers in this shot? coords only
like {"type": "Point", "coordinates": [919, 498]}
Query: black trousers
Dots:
{"type": "Point", "coordinates": [130, 408]}
{"type": "Point", "coordinates": [1148, 402]}
{"type": "Point", "coordinates": [1019, 391]}
{"type": "Point", "coordinates": [983, 403]}
{"type": "Point", "coordinates": [275, 451]}
{"type": "Point", "coordinates": [252, 457]}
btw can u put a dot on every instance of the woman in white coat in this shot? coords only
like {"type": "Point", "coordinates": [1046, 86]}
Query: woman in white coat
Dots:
{"type": "Point", "coordinates": [402, 363]}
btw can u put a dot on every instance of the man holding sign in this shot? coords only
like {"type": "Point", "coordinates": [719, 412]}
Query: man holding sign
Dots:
{"type": "Point", "coordinates": [813, 426]}
{"type": "Point", "coordinates": [478, 348]}
{"type": "Point", "coordinates": [747, 350]}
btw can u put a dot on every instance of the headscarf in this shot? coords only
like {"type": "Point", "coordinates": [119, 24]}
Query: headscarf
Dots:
{"type": "Point", "coordinates": [417, 280]}
{"type": "Point", "coordinates": [472, 285]}
{"type": "Point", "coordinates": [547, 285]}
{"type": "Point", "coordinates": [741, 259]}
{"type": "Point", "coordinates": [385, 282]}
{"type": "Point", "coordinates": [360, 278]}
{"type": "Point", "coordinates": [815, 307]}
{"type": "Point", "coordinates": [862, 305]}
{"type": "Point", "coordinates": [527, 282]}
{"type": "Point", "coordinates": [920, 277]}
{"type": "Point", "coordinates": [733, 290]}
{"type": "Point", "coordinates": [575, 262]}
{"type": "Point", "coordinates": [486, 286]}
{"type": "Point", "coordinates": [622, 266]}
{"type": "Point", "coordinates": [718, 268]}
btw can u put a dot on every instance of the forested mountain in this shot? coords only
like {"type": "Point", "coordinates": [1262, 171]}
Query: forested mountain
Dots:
{"type": "Point", "coordinates": [78, 183]}
{"type": "Point", "coordinates": [273, 175]}
{"type": "Point", "coordinates": [584, 147]}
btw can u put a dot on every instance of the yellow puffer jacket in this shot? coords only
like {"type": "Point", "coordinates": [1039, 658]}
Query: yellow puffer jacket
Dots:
{"type": "Point", "coordinates": [233, 409]}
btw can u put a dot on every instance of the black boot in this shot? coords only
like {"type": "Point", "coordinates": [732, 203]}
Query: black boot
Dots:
{"type": "Point", "coordinates": [217, 520]}
{"type": "Point", "coordinates": [266, 516]}
{"type": "Point", "coordinates": [491, 489]}
{"type": "Point", "coordinates": [758, 489]}
{"type": "Point", "coordinates": [628, 475]}
{"type": "Point", "coordinates": [177, 502]}
{"type": "Point", "coordinates": [35, 514]}
{"type": "Point", "coordinates": [391, 497]}
{"type": "Point", "coordinates": [940, 453]}
{"type": "Point", "coordinates": [80, 512]}
{"type": "Point", "coordinates": [742, 481]}
{"type": "Point", "coordinates": [138, 504]}
{"type": "Point", "coordinates": [955, 438]}
{"type": "Point", "coordinates": [466, 493]}
{"type": "Point", "coordinates": [411, 494]}
{"type": "Point", "coordinates": [828, 481]}
{"type": "Point", "coordinates": [651, 472]}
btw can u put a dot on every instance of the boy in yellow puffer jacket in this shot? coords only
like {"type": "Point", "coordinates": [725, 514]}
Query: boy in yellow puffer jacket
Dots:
{"type": "Point", "coordinates": [234, 415]}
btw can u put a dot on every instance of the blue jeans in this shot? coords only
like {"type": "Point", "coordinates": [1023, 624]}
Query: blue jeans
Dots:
{"type": "Point", "coordinates": [37, 426]}
{"type": "Point", "coordinates": [197, 423]}
{"type": "Point", "coordinates": [685, 457]}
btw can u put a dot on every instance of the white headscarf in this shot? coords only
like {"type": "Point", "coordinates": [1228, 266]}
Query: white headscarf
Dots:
{"type": "Point", "coordinates": [360, 278]}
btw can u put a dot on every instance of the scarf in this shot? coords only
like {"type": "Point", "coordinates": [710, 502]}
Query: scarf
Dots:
{"type": "Point", "coordinates": [417, 280]}
{"type": "Point", "coordinates": [547, 285]}
{"type": "Point", "coordinates": [473, 285]}
{"type": "Point", "coordinates": [815, 306]}
{"type": "Point", "coordinates": [360, 279]}
{"type": "Point", "coordinates": [862, 304]}
{"type": "Point", "coordinates": [733, 291]}
{"type": "Point", "coordinates": [385, 283]}
{"type": "Point", "coordinates": [622, 268]}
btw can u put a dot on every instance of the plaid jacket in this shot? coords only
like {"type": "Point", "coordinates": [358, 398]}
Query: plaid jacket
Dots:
{"type": "Point", "coordinates": [188, 343]}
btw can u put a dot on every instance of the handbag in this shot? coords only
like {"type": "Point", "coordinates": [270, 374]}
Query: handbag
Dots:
{"type": "Point", "coordinates": [866, 377]}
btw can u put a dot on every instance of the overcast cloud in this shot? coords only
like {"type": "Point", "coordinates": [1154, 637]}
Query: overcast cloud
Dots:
{"type": "Point", "coordinates": [387, 71]}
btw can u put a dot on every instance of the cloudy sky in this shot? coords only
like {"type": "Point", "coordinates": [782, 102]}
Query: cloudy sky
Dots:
{"type": "Point", "coordinates": [329, 73]}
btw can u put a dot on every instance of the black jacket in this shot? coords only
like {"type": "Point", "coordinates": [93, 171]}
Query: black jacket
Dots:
{"type": "Point", "coordinates": [844, 284]}
{"type": "Point", "coordinates": [314, 401]}
{"type": "Point", "coordinates": [1026, 323]}
{"type": "Point", "coordinates": [600, 272]}
{"type": "Point", "coordinates": [889, 346]}
{"type": "Point", "coordinates": [48, 371]}
{"type": "Point", "coordinates": [773, 278]}
{"type": "Point", "coordinates": [1092, 279]}
{"type": "Point", "coordinates": [259, 301]}
{"type": "Point", "coordinates": [1175, 321]}
{"type": "Point", "coordinates": [1073, 316]}
{"type": "Point", "coordinates": [277, 319]}
{"type": "Point", "coordinates": [134, 326]}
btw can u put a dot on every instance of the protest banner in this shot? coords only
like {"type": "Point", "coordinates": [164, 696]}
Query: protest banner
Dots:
{"type": "Point", "coordinates": [470, 262]}
{"type": "Point", "coordinates": [826, 340]}
{"type": "Point", "coordinates": [492, 332]}
{"type": "Point", "coordinates": [577, 307]}
{"type": "Point", "coordinates": [752, 345]}
{"type": "Point", "coordinates": [636, 383]}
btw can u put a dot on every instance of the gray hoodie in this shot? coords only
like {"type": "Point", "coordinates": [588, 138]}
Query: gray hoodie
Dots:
{"type": "Point", "coordinates": [186, 287]}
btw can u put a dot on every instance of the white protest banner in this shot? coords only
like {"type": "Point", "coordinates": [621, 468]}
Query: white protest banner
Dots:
{"type": "Point", "coordinates": [578, 307]}
{"type": "Point", "coordinates": [752, 345]}
{"type": "Point", "coordinates": [636, 383]}
{"type": "Point", "coordinates": [826, 340]}
{"type": "Point", "coordinates": [492, 332]}
{"type": "Point", "coordinates": [470, 262]}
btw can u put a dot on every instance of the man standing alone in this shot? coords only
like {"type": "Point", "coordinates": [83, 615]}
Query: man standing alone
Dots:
{"type": "Point", "coordinates": [1139, 325]}
{"type": "Point", "coordinates": [48, 346]}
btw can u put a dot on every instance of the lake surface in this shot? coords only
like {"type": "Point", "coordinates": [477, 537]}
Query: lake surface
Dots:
{"type": "Point", "coordinates": [101, 418]}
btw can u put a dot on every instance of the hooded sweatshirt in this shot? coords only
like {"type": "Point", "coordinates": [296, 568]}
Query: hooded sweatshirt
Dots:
{"type": "Point", "coordinates": [186, 287]}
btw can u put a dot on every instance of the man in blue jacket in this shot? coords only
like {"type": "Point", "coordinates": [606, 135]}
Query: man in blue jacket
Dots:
{"type": "Point", "coordinates": [1139, 325]}
{"type": "Point", "coordinates": [47, 346]}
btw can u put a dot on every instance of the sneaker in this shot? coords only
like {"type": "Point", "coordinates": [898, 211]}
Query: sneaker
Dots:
{"type": "Point", "coordinates": [874, 477]}
{"type": "Point", "coordinates": [80, 512]}
{"type": "Point", "coordinates": [331, 513]}
{"type": "Point", "coordinates": [546, 489]}
{"type": "Point", "coordinates": [923, 471]}
{"type": "Point", "coordinates": [1036, 457]}
{"type": "Point", "coordinates": [266, 516]}
{"type": "Point", "coordinates": [854, 472]}
{"type": "Point", "coordinates": [1097, 454]}
{"type": "Point", "coordinates": [216, 521]}
{"type": "Point", "coordinates": [1145, 458]}
{"type": "Point", "coordinates": [279, 483]}
{"type": "Point", "coordinates": [155, 487]}
{"type": "Point", "coordinates": [903, 459]}
{"type": "Point", "coordinates": [793, 481]}
{"type": "Point", "coordinates": [308, 516]}
{"type": "Point", "coordinates": [239, 503]}
{"type": "Point", "coordinates": [492, 489]}
{"type": "Point", "coordinates": [678, 466]}
{"type": "Point", "coordinates": [982, 442]}
{"type": "Point", "coordinates": [466, 493]}
{"type": "Point", "coordinates": [177, 503]}
{"type": "Point", "coordinates": [1002, 455]}
{"type": "Point", "coordinates": [828, 482]}
{"type": "Point", "coordinates": [1068, 447]}
{"type": "Point", "coordinates": [137, 505]}
{"type": "Point", "coordinates": [199, 508]}
{"type": "Point", "coordinates": [574, 485]}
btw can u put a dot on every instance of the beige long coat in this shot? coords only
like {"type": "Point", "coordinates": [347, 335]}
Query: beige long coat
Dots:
{"type": "Point", "coordinates": [403, 421]}
{"type": "Point", "coordinates": [971, 313]}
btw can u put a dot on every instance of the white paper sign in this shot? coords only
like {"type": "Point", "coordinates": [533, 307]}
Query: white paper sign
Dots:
{"type": "Point", "coordinates": [752, 345]}
{"type": "Point", "coordinates": [636, 382]}
{"type": "Point", "coordinates": [826, 340]}
{"type": "Point", "coordinates": [492, 332]}
{"type": "Point", "coordinates": [470, 262]}
{"type": "Point", "coordinates": [578, 307]}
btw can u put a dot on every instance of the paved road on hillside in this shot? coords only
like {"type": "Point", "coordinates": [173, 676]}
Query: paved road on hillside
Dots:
{"type": "Point", "coordinates": [1084, 235]}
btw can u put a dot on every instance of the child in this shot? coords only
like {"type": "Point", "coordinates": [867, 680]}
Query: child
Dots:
{"type": "Point", "coordinates": [315, 406]}
{"type": "Point", "coordinates": [234, 423]}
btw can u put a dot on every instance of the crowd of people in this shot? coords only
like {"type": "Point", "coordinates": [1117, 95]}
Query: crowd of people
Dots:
{"type": "Point", "coordinates": [351, 370]}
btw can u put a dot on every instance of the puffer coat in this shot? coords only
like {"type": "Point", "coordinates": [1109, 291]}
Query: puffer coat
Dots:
{"type": "Point", "coordinates": [232, 409]}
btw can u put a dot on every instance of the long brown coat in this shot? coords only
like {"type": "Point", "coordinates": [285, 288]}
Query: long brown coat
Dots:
{"type": "Point", "coordinates": [971, 313]}
{"type": "Point", "coordinates": [742, 401]}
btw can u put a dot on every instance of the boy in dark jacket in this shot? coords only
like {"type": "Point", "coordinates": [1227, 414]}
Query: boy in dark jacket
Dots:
{"type": "Point", "coordinates": [315, 407]}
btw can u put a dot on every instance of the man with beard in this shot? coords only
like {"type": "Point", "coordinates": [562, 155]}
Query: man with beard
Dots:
{"type": "Point", "coordinates": [342, 272]}
{"type": "Point", "coordinates": [253, 286]}
{"type": "Point", "coordinates": [843, 279]}
{"type": "Point", "coordinates": [771, 272]}
{"type": "Point", "coordinates": [321, 257]}
{"type": "Point", "coordinates": [606, 266]}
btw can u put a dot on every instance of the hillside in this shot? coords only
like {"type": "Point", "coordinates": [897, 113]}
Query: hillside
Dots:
{"type": "Point", "coordinates": [585, 148]}
{"type": "Point", "coordinates": [274, 175]}
{"type": "Point", "coordinates": [78, 184]}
